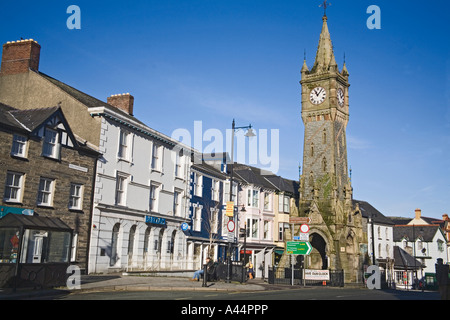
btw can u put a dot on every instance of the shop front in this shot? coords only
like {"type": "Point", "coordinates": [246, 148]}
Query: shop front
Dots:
{"type": "Point", "coordinates": [34, 251]}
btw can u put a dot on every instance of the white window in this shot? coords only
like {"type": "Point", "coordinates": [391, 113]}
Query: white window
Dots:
{"type": "Point", "coordinates": [215, 190]}
{"type": "Point", "coordinates": [124, 150]}
{"type": "Point", "coordinates": [280, 231]}
{"type": "Point", "coordinates": [51, 145]}
{"type": "Point", "coordinates": [76, 196]}
{"type": "Point", "coordinates": [267, 201]}
{"type": "Point", "coordinates": [178, 165]}
{"type": "Point", "coordinates": [45, 192]}
{"type": "Point", "coordinates": [286, 204]}
{"type": "Point", "coordinates": [197, 218]}
{"type": "Point", "coordinates": [154, 195]}
{"type": "Point", "coordinates": [176, 203]}
{"type": "Point", "coordinates": [198, 184]}
{"type": "Point", "coordinates": [214, 220]}
{"type": "Point", "coordinates": [19, 146]}
{"type": "Point", "coordinates": [252, 228]}
{"type": "Point", "coordinates": [121, 189]}
{"type": "Point", "coordinates": [13, 187]}
{"type": "Point", "coordinates": [253, 198]}
{"type": "Point", "coordinates": [156, 157]}
{"type": "Point", "coordinates": [266, 230]}
{"type": "Point", "coordinates": [280, 202]}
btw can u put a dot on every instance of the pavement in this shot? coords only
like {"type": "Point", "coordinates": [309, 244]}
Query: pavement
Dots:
{"type": "Point", "coordinates": [126, 282]}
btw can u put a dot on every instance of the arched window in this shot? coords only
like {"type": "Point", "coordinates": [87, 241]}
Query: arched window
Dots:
{"type": "Point", "coordinates": [114, 245]}
{"type": "Point", "coordinates": [131, 238]}
{"type": "Point", "coordinates": [312, 150]}
{"type": "Point", "coordinates": [324, 136]}
{"type": "Point", "coordinates": [324, 164]}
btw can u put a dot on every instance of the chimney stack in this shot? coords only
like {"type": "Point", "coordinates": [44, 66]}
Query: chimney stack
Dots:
{"type": "Point", "coordinates": [124, 102]}
{"type": "Point", "coordinates": [418, 213]}
{"type": "Point", "coordinates": [20, 56]}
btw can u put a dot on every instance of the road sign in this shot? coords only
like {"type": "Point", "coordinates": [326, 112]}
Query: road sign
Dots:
{"type": "Point", "coordinates": [230, 209]}
{"type": "Point", "coordinates": [298, 247]}
{"type": "Point", "coordinates": [299, 220]}
{"type": "Point", "coordinates": [230, 225]}
{"type": "Point", "coordinates": [304, 228]}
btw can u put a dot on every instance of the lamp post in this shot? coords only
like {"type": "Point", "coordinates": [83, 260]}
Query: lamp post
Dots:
{"type": "Point", "coordinates": [249, 134]}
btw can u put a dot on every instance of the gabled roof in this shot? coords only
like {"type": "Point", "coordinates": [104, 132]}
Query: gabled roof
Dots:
{"type": "Point", "coordinates": [282, 184]}
{"type": "Point", "coordinates": [369, 211]}
{"type": "Point", "coordinates": [403, 260]}
{"type": "Point", "coordinates": [33, 118]}
{"type": "Point", "coordinates": [252, 175]}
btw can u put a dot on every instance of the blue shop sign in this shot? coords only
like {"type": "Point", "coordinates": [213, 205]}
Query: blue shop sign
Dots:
{"type": "Point", "coordinates": [155, 220]}
{"type": "Point", "coordinates": [5, 210]}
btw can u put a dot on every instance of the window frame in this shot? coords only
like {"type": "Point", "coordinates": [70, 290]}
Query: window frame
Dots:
{"type": "Point", "coordinates": [18, 188]}
{"type": "Point", "coordinates": [19, 144]}
{"type": "Point", "coordinates": [79, 197]}
{"type": "Point", "coordinates": [50, 183]}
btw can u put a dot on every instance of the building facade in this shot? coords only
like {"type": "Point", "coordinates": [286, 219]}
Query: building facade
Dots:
{"type": "Point", "coordinates": [47, 171]}
{"type": "Point", "coordinates": [141, 195]}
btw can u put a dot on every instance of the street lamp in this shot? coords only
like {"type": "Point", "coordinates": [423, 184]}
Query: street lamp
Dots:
{"type": "Point", "coordinates": [249, 134]}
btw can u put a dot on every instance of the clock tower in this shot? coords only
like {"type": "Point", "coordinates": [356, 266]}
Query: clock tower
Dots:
{"type": "Point", "coordinates": [325, 187]}
{"type": "Point", "coordinates": [325, 114]}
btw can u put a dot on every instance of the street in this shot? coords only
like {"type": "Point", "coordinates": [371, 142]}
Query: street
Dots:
{"type": "Point", "coordinates": [310, 293]}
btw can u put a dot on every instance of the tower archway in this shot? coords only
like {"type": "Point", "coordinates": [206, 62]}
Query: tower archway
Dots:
{"type": "Point", "coordinates": [318, 258]}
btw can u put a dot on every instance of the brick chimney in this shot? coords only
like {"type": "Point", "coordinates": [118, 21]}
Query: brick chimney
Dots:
{"type": "Point", "coordinates": [418, 213]}
{"type": "Point", "coordinates": [20, 56]}
{"type": "Point", "coordinates": [124, 102]}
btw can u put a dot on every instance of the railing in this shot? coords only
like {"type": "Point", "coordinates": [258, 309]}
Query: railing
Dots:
{"type": "Point", "coordinates": [284, 276]}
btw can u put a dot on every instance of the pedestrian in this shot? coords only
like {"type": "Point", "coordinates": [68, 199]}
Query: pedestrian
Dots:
{"type": "Point", "coordinates": [198, 273]}
{"type": "Point", "coordinates": [249, 267]}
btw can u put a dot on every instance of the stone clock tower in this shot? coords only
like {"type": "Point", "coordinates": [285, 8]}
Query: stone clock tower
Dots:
{"type": "Point", "coordinates": [325, 187]}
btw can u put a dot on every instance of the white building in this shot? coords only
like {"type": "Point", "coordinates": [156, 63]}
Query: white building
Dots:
{"type": "Point", "coordinates": [257, 196]}
{"type": "Point", "coordinates": [380, 238]}
{"type": "Point", "coordinates": [141, 195]}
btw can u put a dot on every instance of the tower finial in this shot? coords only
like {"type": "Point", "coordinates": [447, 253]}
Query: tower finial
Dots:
{"type": "Point", "coordinates": [325, 5]}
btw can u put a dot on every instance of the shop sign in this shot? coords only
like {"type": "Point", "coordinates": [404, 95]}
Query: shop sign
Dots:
{"type": "Point", "coordinates": [5, 210]}
{"type": "Point", "coordinates": [155, 220]}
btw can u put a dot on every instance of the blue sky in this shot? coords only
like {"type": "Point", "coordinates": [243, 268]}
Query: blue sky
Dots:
{"type": "Point", "coordinates": [212, 61]}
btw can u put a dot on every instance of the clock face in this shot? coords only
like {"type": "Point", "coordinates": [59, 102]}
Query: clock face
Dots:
{"type": "Point", "coordinates": [340, 96]}
{"type": "Point", "coordinates": [317, 95]}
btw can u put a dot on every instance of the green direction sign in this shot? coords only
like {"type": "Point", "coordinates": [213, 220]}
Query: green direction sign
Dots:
{"type": "Point", "coordinates": [298, 247]}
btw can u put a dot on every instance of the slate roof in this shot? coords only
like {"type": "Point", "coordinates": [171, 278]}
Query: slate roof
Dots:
{"type": "Point", "coordinates": [252, 175]}
{"type": "Point", "coordinates": [27, 120]}
{"type": "Point", "coordinates": [425, 232]}
{"type": "Point", "coordinates": [283, 184]}
{"type": "Point", "coordinates": [403, 260]}
{"type": "Point", "coordinates": [208, 169]}
{"type": "Point", "coordinates": [369, 211]}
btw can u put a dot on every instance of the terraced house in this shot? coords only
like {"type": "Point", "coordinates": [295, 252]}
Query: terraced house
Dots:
{"type": "Point", "coordinates": [48, 172]}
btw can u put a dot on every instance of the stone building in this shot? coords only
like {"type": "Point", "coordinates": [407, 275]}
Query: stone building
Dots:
{"type": "Point", "coordinates": [47, 171]}
{"type": "Point", "coordinates": [336, 232]}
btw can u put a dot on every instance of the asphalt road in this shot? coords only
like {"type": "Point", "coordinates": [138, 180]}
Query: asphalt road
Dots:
{"type": "Point", "coordinates": [312, 293]}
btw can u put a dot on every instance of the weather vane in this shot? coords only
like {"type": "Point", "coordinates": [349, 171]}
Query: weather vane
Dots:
{"type": "Point", "coordinates": [325, 5]}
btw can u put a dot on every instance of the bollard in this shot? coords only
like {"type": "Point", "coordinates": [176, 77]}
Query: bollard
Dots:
{"type": "Point", "coordinates": [205, 274]}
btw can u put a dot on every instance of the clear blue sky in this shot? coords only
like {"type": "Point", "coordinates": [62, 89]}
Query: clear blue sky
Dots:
{"type": "Point", "coordinates": [212, 61]}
